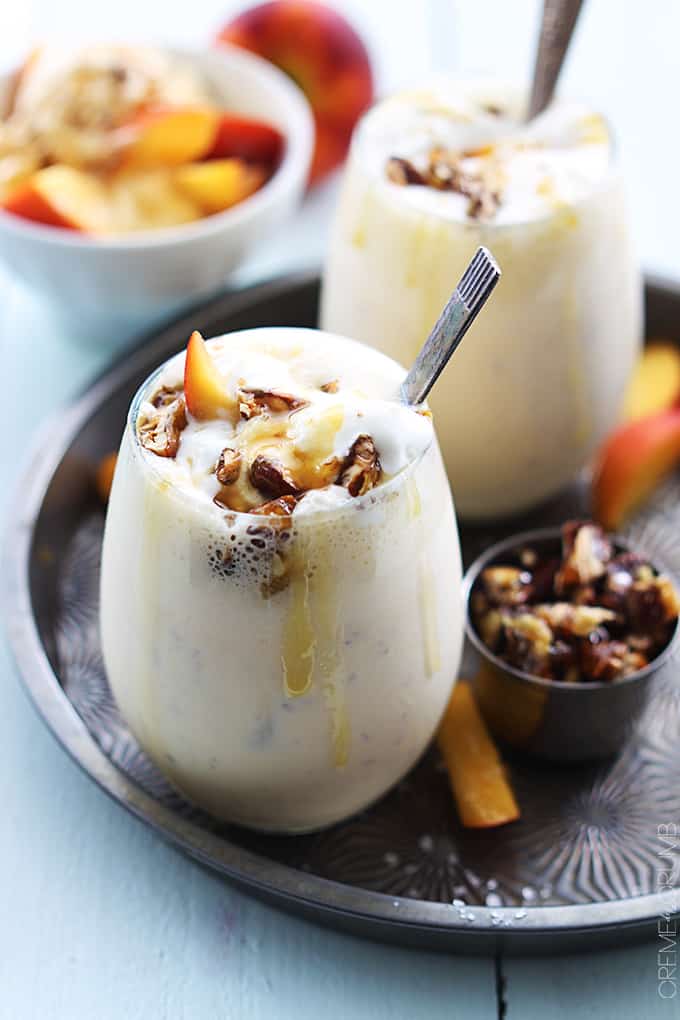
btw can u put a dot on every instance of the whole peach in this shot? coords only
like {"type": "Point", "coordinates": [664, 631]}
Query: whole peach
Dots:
{"type": "Point", "coordinates": [323, 54]}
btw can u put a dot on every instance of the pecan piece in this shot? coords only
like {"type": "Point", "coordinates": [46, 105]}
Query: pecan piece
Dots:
{"type": "Point", "coordinates": [563, 662]}
{"type": "Point", "coordinates": [651, 604]}
{"type": "Point", "coordinates": [331, 387]}
{"type": "Point", "coordinates": [361, 469]}
{"type": "Point", "coordinates": [506, 586]}
{"type": "Point", "coordinates": [483, 201]}
{"type": "Point", "coordinates": [578, 621]}
{"type": "Point", "coordinates": [543, 580]}
{"type": "Point", "coordinates": [164, 396]}
{"type": "Point", "coordinates": [279, 576]}
{"type": "Point", "coordinates": [160, 432]}
{"type": "Point", "coordinates": [490, 627]}
{"type": "Point", "coordinates": [281, 507]}
{"type": "Point", "coordinates": [272, 478]}
{"type": "Point", "coordinates": [528, 643]}
{"type": "Point", "coordinates": [586, 552]}
{"type": "Point", "coordinates": [609, 660]}
{"type": "Point", "coordinates": [255, 401]}
{"type": "Point", "coordinates": [228, 466]}
{"type": "Point", "coordinates": [402, 171]}
{"type": "Point", "coordinates": [247, 406]}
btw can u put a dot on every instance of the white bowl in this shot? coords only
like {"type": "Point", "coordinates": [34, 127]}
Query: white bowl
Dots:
{"type": "Point", "coordinates": [95, 284]}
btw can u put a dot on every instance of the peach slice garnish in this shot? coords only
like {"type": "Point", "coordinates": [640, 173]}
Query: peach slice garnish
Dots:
{"type": "Point", "coordinates": [205, 389]}
{"type": "Point", "coordinates": [103, 478]}
{"type": "Point", "coordinates": [483, 795]}
{"type": "Point", "coordinates": [655, 383]}
{"type": "Point", "coordinates": [632, 462]}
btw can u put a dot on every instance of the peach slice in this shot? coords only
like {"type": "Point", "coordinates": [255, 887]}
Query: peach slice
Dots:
{"type": "Point", "coordinates": [147, 200]}
{"type": "Point", "coordinates": [204, 388]}
{"type": "Point", "coordinates": [482, 792]}
{"type": "Point", "coordinates": [655, 383]}
{"type": "Point", "coordinates": [219, 183]}
{"type": "Point", "coordinates": [61, 196]}
{"type": "Point", "coordinates": [103, 478]}
{"type": "Point", "coordinates": [246, 138]}
{"type": "Point", "coordinates": [632, 462]}
{"type": "Point", "coordinates": [163, 137]}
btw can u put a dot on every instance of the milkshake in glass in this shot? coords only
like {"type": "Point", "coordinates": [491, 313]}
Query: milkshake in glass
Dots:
{"type": "Point", "coordinates": [280, 605]}
{"type": "Point", "coordinates": [433, 174]}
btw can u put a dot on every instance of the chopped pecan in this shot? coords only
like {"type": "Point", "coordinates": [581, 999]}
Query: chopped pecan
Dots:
{"type": "Point", "coordinates": [586, 553]}
{"type": "Point", "coordinates": [247, 406]}
{"type": "Point", "coordinates": [272, 478]}
{"type": "Point", "coordinates": [361, 469]}
{"type": "Point", "coordinates": [281, 507]}
{"type": "Point", "coordinates": [610, 660]}
{"type": "Point", "coordinates": [164, 396]}
{"type": "Point", "coordinates": [279, 576]}
{"type": "Point", "coordinates": [543, 580]}
{"type": "Point", "coordinates": [445, 171]}
{"type": "Point", "coordinates": [563, 661]}
{"type": "Point", "coordinates": [585, 595]}
{"type": "Point", "coordinates": [506, 586]}
{"type": "Point", "coordinates": [651, 603]}
{"type": "Point", "coordinates": [528, 558]}
{"type": "Point", "coordinates": [607, 614]}
{"type": "Point", "coordinates": [402, 171]}
{"type": "Point", "coordinates": [483, 201]}
{"type": "Point", "coordinates": [577, 620]}
{"type": "Point", "coordinates": [490, 628]}
{"type": "Point", "coordinates": [331, 387]}
{"type": "Point", "coordinates": [528, 642]}
{"type": "Point", "coordinates": [160, 432]}
{"type": "Point", "coordinates": [228, 466]}
{"type": "Point", "coordinates": [641, 643]}
{"type": "Point", "coordinates": [254, 401]}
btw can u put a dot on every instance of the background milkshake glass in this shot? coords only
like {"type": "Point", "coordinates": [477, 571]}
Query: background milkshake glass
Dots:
{"type": "Point", "coordinates": [540, 382]}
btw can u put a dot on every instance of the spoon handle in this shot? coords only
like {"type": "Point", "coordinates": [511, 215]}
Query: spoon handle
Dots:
{"type": "Point", "coordinates": [557, 26]}
{"type": "Point", "coordinates": [476, 283]}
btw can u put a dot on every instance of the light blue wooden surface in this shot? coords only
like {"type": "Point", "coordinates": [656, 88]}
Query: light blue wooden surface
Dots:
{"type": "Point", "coordinates": [100, 920]}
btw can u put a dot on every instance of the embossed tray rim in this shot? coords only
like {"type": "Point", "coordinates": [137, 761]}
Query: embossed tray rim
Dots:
{"type": "Point", "coordinates": [373, 914]}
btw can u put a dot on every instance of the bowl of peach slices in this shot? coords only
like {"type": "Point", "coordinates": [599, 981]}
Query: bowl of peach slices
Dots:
{"type": "Point", "coordinates": [133, 179]}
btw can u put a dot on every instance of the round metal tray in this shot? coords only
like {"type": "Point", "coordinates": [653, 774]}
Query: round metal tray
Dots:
{"type": "Point", "coordinates": [588, 863]}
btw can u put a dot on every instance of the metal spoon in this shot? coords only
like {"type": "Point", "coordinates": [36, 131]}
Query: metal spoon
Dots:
{"type": "Point", "coordinates": [557, 26]}
{"type": "Point", "coordinates": [476, 283]}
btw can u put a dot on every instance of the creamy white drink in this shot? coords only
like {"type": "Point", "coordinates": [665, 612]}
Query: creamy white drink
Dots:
{"type": "Point", "coordinates": [280, 602]}
{"type": "Point", "coordinates": [435, 173]}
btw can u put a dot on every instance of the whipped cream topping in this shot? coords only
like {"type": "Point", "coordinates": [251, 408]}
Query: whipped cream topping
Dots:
{"type": "Point", "coordinates": [558, 159]}
{"type": "Point", "coordinates": [345, 391]}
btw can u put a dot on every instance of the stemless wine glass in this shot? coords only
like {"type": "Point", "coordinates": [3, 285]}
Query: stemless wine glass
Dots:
{"type": "Point", "coordinates": [541, 382]}
{"type": "Point", "coordinates": [282, 672]}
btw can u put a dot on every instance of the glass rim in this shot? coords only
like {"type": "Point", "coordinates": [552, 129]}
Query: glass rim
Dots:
{"type": "Point", "coordinates": [373, 497]}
